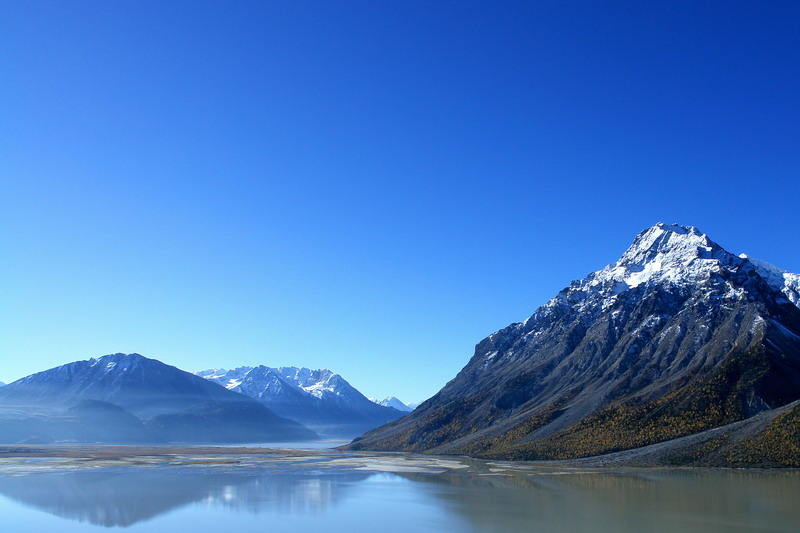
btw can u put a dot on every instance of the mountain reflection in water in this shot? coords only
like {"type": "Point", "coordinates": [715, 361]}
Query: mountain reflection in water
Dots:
{"type": "Point", "coordinates": [124, 498]}
{"type": "Point", "coordinates": [634, 500]}
{"type": "Point", "coordinates": [478, 498]}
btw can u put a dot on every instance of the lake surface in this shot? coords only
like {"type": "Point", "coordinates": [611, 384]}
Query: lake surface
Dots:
{"type": "Point", "coordinates": [339, 492]}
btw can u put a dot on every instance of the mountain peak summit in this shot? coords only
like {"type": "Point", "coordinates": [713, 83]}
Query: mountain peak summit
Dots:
{"type": "Point", "coordinates": [117, 357]}
{"type": "Point", "coordinates": [676, 228]}
{"type": "Point", "coordinates": [668, 252]}
{"type": "Point", "coordinates": [665, 255]}
{"type": "Point", "coordinates": [673, 239]}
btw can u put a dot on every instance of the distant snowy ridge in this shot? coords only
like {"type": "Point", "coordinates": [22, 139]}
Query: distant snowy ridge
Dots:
{"type": "Point", "coordinates": [392, 401]}
{"type": "Point", "coordinates": [319, 398]}
{"type": "Point", "coordinates": [317, 383]}
{"type": "Point", "coordinates": [778, 279]}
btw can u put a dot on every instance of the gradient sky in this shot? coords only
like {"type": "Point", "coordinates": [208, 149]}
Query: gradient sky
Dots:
{"type": "Point", "coordinates": [371, 187]}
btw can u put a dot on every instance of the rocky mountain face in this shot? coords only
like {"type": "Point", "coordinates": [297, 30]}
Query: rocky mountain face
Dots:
{"type": "Point", "coordinates": [676, 337]}
{"type": "Point", "coordinates": [320, 399]}
{"type": "Point", "coordinates": [130, 398]}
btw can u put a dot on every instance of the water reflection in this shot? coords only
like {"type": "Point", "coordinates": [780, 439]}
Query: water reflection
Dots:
{"type": "Point", "coordinates": [719, 501]}
{"type": "Point", "coordinates": [476, 499]}
{"type": "Point", "coordinates": [125, 498]}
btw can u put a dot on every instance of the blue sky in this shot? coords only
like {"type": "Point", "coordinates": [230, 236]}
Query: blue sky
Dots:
{"type": "Point", "coordinates": [371, 187]}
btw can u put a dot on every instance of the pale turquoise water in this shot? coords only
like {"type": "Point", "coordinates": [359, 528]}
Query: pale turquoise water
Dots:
{"type": "Point", "coordinates": [316, 496]}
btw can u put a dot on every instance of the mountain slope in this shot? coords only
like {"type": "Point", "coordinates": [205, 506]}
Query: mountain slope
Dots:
{"type": "Point", "coordinates": [320, 399]}
{"type": "Point", "coordinates": [676, 337]}
{"type": "Point", "coordinates": [174, 404]}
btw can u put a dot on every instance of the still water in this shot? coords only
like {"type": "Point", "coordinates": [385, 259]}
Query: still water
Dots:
{"type": "Point", "coordinates": [346, 493]}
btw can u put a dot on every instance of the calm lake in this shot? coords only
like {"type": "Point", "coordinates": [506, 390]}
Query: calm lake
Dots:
{"type": "Point", "coordinates": [339, 492]}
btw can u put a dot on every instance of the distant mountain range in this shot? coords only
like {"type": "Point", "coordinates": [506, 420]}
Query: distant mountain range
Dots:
{"type": "Point", "coordinates": [677, 337]}
{"type": "Point", "coordinates": [320, 399]}
{"type": "Point", "coordinates": [393, 402]}
{"type": "Point", "coordinates": [130, 398]}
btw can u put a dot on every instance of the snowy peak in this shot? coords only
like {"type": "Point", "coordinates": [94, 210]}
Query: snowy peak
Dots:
{"type": "Point", "coordinates": [230, 379]}
{"type": "Point", "coordinates": [218, 373]}
{"type": "Point", "coordinates": [257, 382]}
{"type": "Point", "coordinates": [668, 253]}
{"type": "Point", "coordinates": [671, 258]}
{"type": "Point", "coordinates": [108, 367]}
{"type": "Point", "coordinates": [261, 382]}
{"type": "Point", "coordinates": [318, 383]}
{"type": "Point", "coordinates": [676, 254]}
{"type": "Point", "coordinates": [663, 255]}
{"type": "Point", "coordinates": [320, 398]}
{"type": "Point", "coordinates": [117, 362]}
{"type": "Point", "coordinates": [393, 402]}
{"type": "Point", "coordinates": [673, 240]}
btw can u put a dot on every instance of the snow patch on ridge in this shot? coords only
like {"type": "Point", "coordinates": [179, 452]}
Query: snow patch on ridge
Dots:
{"type": "Point", "coordinates": [777, 278]}
{"type": "Point", "coordinates": [321, 383]}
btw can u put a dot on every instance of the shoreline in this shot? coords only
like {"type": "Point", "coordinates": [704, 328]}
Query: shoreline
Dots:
{"type": "Point", "coordinates": [17, 459]}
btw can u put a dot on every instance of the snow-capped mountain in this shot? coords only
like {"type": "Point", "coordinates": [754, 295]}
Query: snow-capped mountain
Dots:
{"type": "Point", "coordinates": [392, 401]}
{"type": "Point", "coordinates": [320, 399]}
{"type": "Point", "coordinates": [175, 405]}
{"type": "Point", "coordinates": [322, 384]}
{"type": "Point", "coordinates": [226, 378]}
{"type": "Point", "coordinates": [675, 337]}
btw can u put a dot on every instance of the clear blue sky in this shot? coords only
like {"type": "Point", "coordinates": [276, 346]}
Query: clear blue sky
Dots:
{"type": "Point", "coordinates": [371, 187]}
